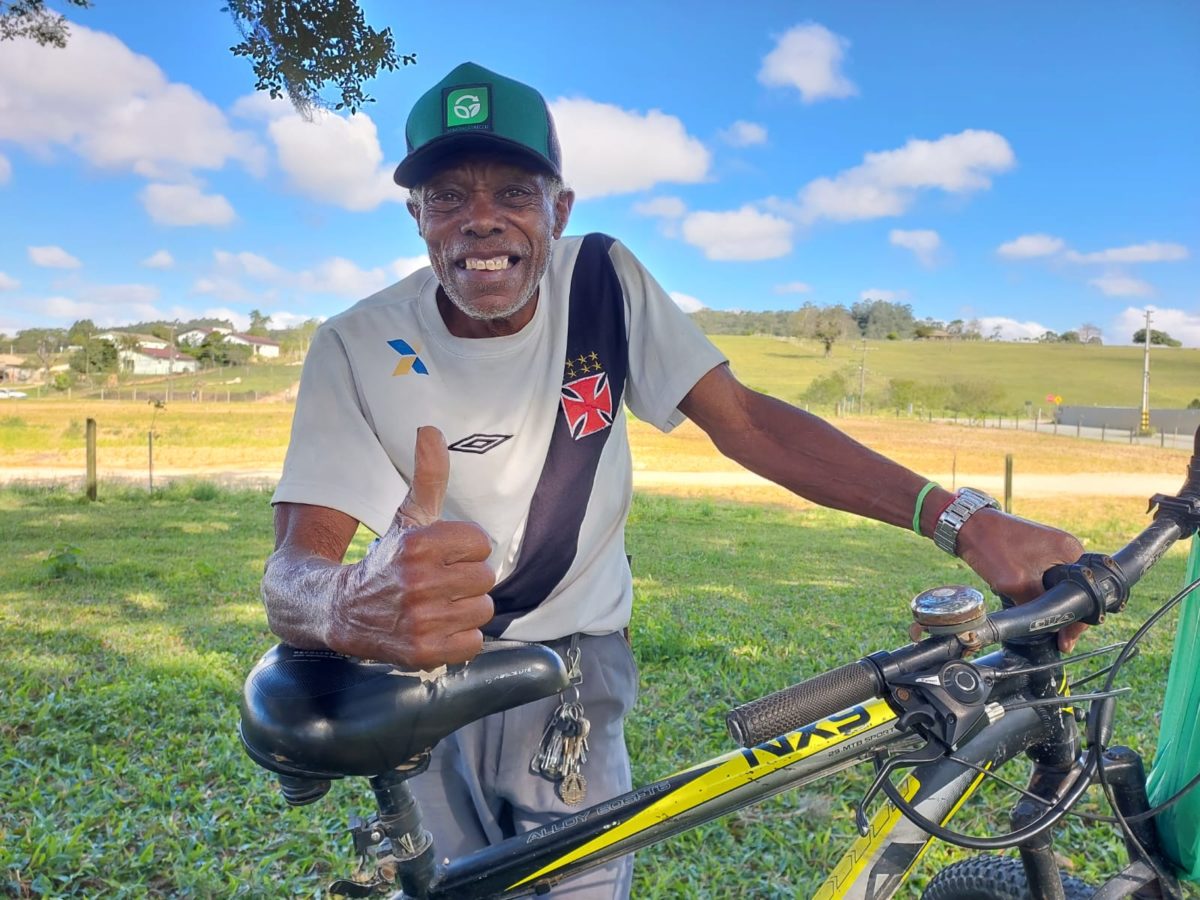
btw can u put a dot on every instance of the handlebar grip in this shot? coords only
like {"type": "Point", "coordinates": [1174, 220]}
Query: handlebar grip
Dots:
{"type": "Point", "coordinates": [803, 703]}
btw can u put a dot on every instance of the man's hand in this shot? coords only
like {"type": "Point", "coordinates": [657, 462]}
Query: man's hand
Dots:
{"type": "Point", "coordinates": [419, 598]}
{"type": "Point", "coordinates": [1011, 555]}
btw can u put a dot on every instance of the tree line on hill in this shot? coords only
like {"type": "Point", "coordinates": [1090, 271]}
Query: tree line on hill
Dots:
{"type": "Point", "coordinates": [873, 319]}
{"type": "Point", "coordinates": [87, 355]}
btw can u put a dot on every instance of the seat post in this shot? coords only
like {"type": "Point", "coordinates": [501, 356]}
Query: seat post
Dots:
{"type": "Point", "coordinates": [400, 820]}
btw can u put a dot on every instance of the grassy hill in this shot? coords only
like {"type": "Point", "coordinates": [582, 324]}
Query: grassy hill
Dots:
{"type": "Point", "coordinates": [1083, 375]}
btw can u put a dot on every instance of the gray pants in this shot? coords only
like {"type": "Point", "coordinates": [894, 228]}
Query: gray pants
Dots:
{"type": "Point", "coordinates": [478, 789]}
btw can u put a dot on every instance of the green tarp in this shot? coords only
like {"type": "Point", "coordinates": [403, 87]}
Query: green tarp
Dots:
{"type": "Point", "coordinates": [1178, 757]}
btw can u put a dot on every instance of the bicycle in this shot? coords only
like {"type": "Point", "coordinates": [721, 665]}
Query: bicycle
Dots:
{"type": "Point", "coordinates": [931, 707]}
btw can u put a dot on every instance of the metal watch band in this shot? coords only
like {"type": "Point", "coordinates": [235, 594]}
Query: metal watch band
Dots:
{"type": "Point", "coordinates": [965, 504]}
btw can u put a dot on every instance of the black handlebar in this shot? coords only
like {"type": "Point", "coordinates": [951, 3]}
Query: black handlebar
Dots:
{"type": "Point", "coordinates": [1085, 592]}
{"type": "Point", "coordinates": [808, 701]}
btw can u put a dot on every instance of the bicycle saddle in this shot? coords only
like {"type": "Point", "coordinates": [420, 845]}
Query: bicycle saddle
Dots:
{"type": "Point", "coordinates": [318, 714]}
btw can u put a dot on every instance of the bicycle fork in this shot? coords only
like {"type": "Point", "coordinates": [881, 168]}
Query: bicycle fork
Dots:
{"type": "Point", "coordinates": [1055, 767]}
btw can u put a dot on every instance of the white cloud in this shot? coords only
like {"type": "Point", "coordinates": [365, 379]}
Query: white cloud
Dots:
{"type": "Point", "coordinates": [261, 107]}
{"type": "Point", "coordinates": [661, 207]}
{"type": "Point", "coordinates": [608, 150]}
{"type": "Point", "coordinates": [114, 108]}
{"type": "Point", "coordinates": [1028, 246]}
{"type": "Point", "coordinates": [1115, 284]}
{"type": "Point", "coordinates": [884, 294]}
{"type": "Point", "coordinates": [185, 204]}
{"type": "Point", "coordinates": [686, 302]}
{"type": "Point", "coordinates": [7, 283]}
{"type": "Point", "coordinates": [743, 234]}
{"type": "Point", "coordinates": [106, 305]}
{"type": "Point", "coordinates": [1010, 329]}
{"type": "Point", "coordinates": [335, 159]}
{"type": "Point", "coordinates": [793, 287]}
{"type": "Point", "coordinates": [1182, 325]}
{"type": "Point", "coordinates": [808, 58]}
{"type": "Point", "coordinates": [343, 278]}
{"type": "Point", "coordinates": [406, 265]}
{"type": "Point", "coordinates": [5, 169]}
{"type": "Point", "coordinates": [886, 183]}
{"type": "Point", "coordinates": [281, 318]}
{"type": "Point", "coordinates": [53, 258]}
{"type": "Point", "coordinates": [744, 134]}
{"type": "Point", "coordinates": [228, 289]}
{"type": "Point", "coordinates": [236, 265]}
{"type": "Point", "coordinates": [337, 275]}
{"type": "Point", "coordinates": [160, 260]}
{"type": "Point", "coordinates": [239, 320]}
{"type": "Point", "coordinates": [1152, 251]}
{"type": "Point", "coordinates": [924, 244]}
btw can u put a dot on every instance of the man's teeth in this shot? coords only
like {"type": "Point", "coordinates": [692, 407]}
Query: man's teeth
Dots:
{"type": "Point", "coordinates": [497, 262]}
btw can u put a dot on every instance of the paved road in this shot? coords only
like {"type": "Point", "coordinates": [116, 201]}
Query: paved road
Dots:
{"type": "Point", "coordinates": [1177, 441]}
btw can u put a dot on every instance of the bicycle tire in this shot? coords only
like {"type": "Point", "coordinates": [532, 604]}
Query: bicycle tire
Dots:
{"type": "Point", "coordinates": [993, 878]}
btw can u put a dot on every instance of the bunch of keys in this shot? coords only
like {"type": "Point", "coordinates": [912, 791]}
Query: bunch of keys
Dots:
{"type": "Point", "coordinates": [564, 746]}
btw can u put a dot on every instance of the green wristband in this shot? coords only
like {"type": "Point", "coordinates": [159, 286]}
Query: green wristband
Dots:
{"type": "Point", "coordinates": [921, 502]}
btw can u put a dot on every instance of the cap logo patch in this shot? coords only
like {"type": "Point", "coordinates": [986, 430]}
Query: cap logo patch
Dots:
{"type": "Point", "coordinates": [469, 106]}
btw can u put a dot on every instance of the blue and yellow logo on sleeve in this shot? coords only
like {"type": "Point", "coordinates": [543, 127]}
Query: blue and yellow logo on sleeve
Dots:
{"type": "Point", "coordinates": [409, 361]}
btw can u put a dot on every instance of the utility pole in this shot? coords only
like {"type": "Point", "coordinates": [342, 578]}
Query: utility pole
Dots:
{"type": "Point", "coordinates": [1145, 429]}
{"type": "Point", "coordinates": [171, 360]}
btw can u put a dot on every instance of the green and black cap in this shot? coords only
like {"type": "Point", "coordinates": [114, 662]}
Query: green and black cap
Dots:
{"type": "Point", "coordinates": [474, 109]}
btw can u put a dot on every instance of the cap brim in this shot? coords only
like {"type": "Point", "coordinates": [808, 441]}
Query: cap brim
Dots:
{"type": "Point", "coordinates": [449, 149]}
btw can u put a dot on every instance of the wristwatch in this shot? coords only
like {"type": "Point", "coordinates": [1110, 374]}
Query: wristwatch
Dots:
{"type": "Point", "coordinates": [965, 504]}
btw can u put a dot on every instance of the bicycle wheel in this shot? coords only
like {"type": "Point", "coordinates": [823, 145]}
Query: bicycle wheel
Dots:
{"type": "Point", "coordinates": [992, 878]}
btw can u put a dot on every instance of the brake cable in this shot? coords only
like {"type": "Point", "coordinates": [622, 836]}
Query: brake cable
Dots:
{"type": "Point", "coordinates": [1089, 771]}
{"type": "Point", "coordinates": [1125, 823]}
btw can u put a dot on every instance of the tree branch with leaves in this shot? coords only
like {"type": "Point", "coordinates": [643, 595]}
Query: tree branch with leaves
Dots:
{"type": "Point", "coordinates": [297, 48]}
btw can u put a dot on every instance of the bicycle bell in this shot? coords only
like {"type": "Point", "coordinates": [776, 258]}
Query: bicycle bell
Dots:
{"type": "Point", "coordinates": [951, 609]}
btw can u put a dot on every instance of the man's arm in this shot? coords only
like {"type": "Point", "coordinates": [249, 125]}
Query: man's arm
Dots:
{"type": "Point", "coordinates": [810, 457]}
{"type": "Point", "coordinates": [419, 599]}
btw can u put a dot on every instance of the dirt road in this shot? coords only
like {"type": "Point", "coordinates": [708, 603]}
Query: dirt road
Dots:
{"type": "Point", "coordinates": [1106, 484]}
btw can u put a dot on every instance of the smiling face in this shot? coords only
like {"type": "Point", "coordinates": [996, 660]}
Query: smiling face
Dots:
{"type": "Point", "coordinates": [488, 226]}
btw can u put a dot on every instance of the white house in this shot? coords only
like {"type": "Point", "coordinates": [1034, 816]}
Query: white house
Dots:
{"type": "Point", "coordinates": [144, 341]}
{"type": "Point", "coordinates": [195, 336]}
{"type": "Point", "coordinates": [264, 347]}
{"type": "Point", "coordinates": [156, 361]}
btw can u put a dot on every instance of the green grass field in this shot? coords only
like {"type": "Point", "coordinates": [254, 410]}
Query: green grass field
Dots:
{"type": "Point", "coordinates": [1082, 375]}
{"type": "Point", "coordinates": [129, 624]}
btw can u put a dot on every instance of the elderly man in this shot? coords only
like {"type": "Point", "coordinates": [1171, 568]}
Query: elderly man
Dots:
{"type": "Point", "coordinates": [521, 348]}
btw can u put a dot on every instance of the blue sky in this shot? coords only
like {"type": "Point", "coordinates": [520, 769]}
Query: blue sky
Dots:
{"type": "Point", "coordinates": [1031, 165]}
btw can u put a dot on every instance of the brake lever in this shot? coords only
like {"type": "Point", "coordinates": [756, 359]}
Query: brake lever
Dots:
{"type": "Point", "coordinates": [942, 707]}
{"type": "Point", "coordinates": [931, 752]}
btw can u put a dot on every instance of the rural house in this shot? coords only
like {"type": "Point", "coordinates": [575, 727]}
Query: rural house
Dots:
{"type": "Point", "coordinates": [261, 346]}
{"type": "Point", "coordinates": [123, 338]}
{"type": "Point", "coordinates": [156, 361]}
{"type": "Point", "coordinates": [195, 337]}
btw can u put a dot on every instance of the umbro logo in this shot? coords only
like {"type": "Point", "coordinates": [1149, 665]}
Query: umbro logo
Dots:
{"type": "Point", "coordinates": [479, 443]}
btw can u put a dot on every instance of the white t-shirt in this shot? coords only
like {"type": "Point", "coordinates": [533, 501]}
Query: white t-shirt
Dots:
{"type": "Point", "coordinates": [388, 365]}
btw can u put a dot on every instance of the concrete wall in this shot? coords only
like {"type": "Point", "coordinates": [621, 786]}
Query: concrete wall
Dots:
{"type": "Point", "coordinates": [1184, 421]}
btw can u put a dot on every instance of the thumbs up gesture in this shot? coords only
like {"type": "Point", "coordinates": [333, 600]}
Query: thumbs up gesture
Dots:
{"type": "Point", "coordinates": [419, 599]}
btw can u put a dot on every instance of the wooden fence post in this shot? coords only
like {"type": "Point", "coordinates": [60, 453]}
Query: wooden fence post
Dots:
{"type": "Point", "coordinates": [91, 459]}
{"type": "Point", "coordinates": [1008, 473]}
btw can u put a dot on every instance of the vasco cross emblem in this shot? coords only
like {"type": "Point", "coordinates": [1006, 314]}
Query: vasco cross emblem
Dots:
{"type": "Point", "coordinates": [587, 401]}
